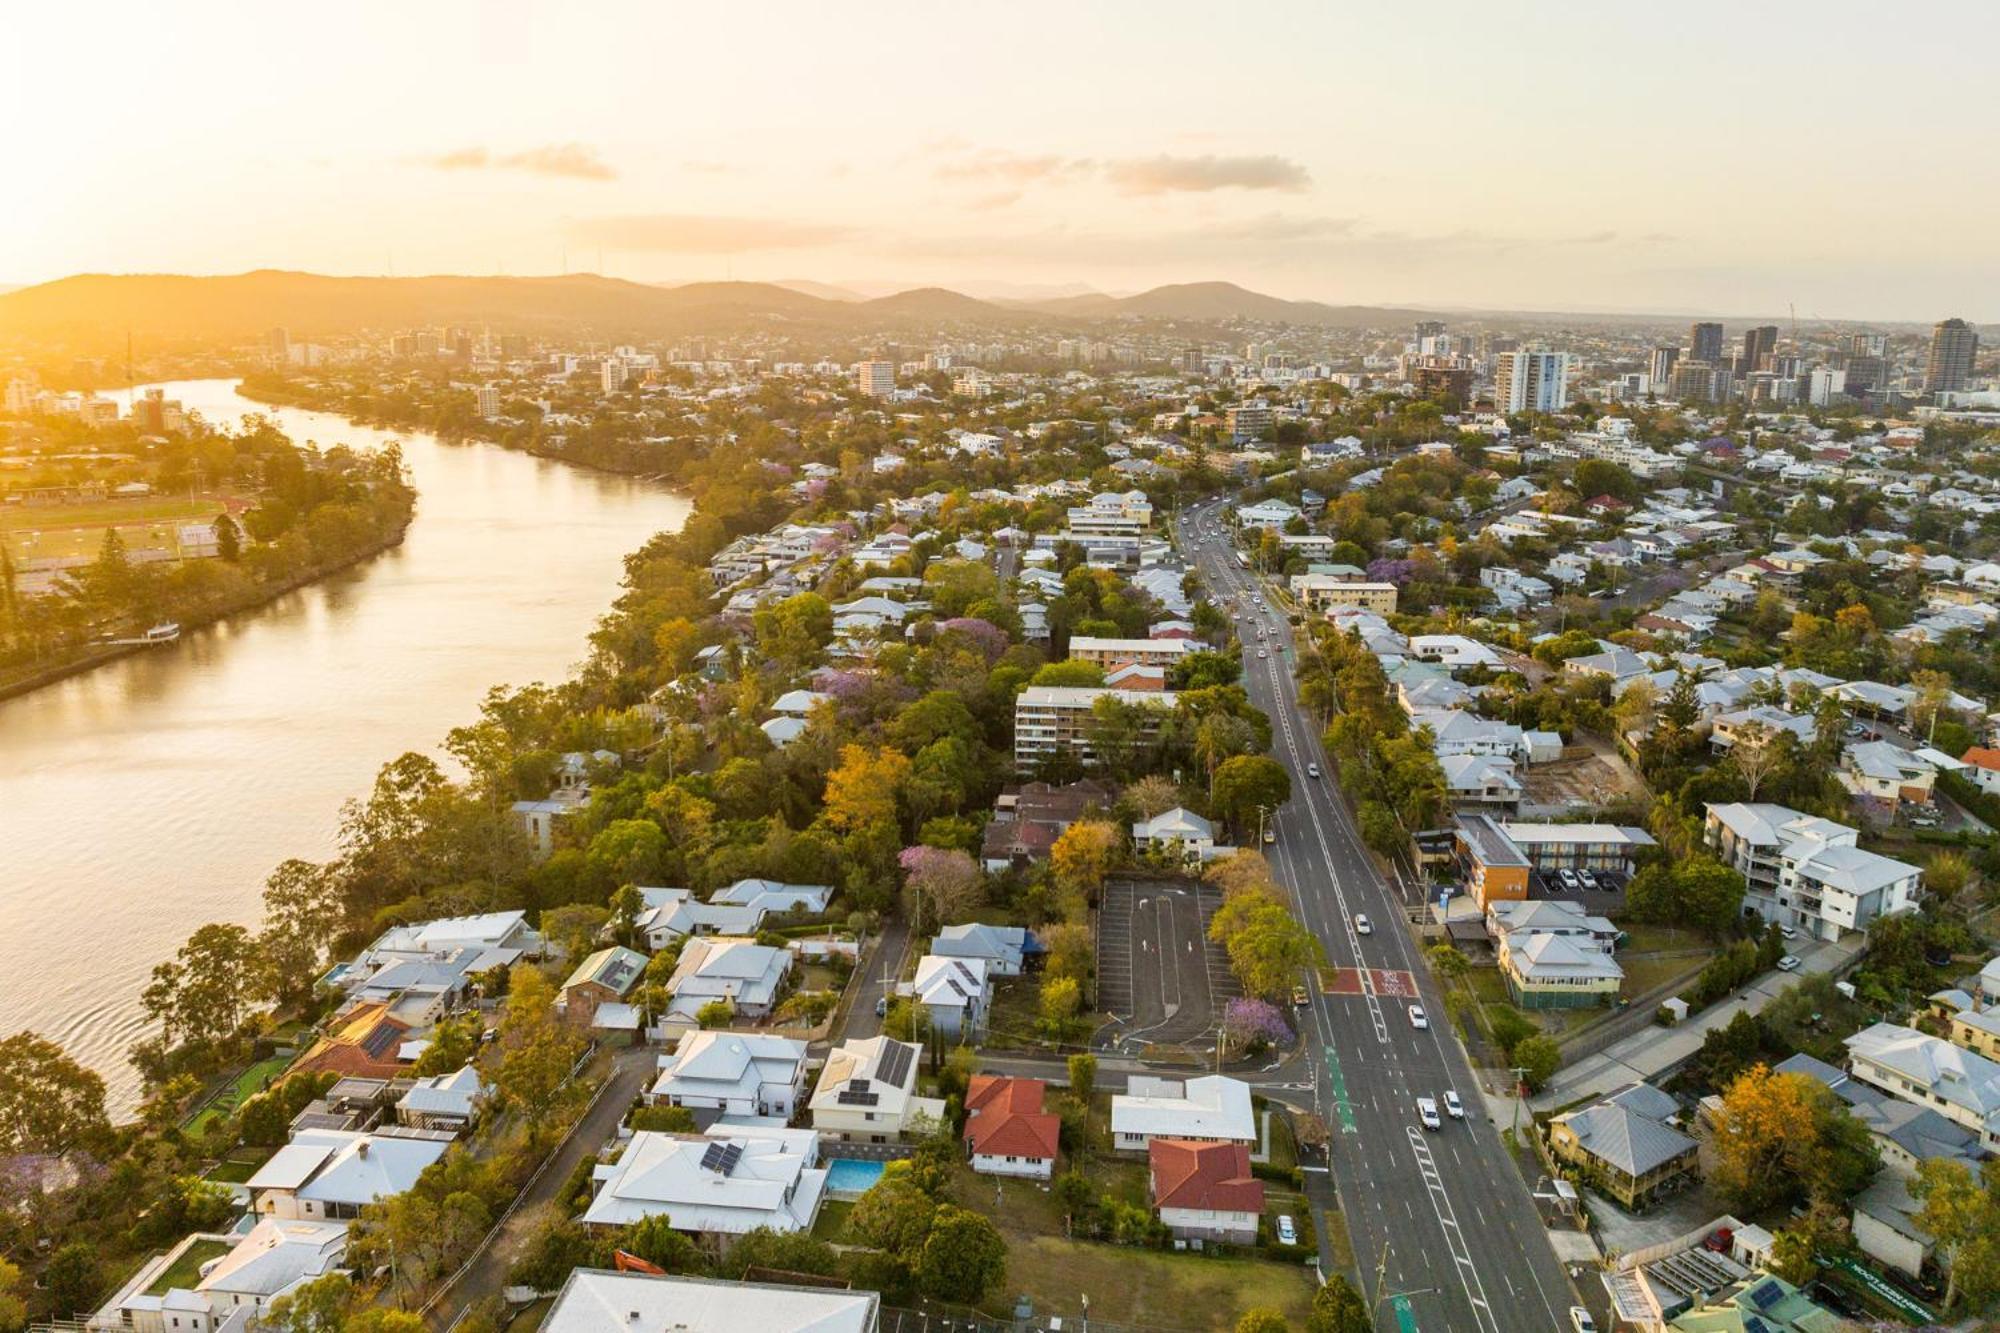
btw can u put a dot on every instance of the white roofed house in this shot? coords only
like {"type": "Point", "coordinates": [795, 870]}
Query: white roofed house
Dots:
{"type": "Point", "coordinates": [774, 896]}
{"type": "Point", "coordinates": [1209, 1109]}
{"type": "Point", "coordinates": [596, 1301]}
{"type": "Point", "coordinates": [1960, 1085]}
{"type": "Point", "coordinates": [1180, 828]}
{"type": "Point", "coordinates": [329, 1174]}
{"type": "Point", "coordinates": [713, 1187]}
{"type": "Point", "coordinates": [1887, 774]}
{"type": "Point", "coordinates": [867, 1093]}
{"type": "Point", "coordinates": [1550, 971]}
{"type": "Point", "coordinates": [739, 1074]}
{"type": "Point", "coordinates": [955, 995]}
{"type": "Point", "coordinates": [746, 974]}
{"type": "Point", "coordinates": [274, 1259]}
{"type": "Point", "coordinates": [1003, 949]}
{"type": "Point", "coordinates": [1807, 871]}
{"type": "Point", "coordinates": [443, 1101]}
{"type": "Point", "coordinates": [1484, 782]}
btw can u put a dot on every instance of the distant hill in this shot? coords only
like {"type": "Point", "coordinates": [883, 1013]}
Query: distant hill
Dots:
{"type": "Point", "coordinates": [1215, 301]}
{"type": "Point", "coordinates": [825, 291]}
{"type": "Point", "coordinates": [310, 304]}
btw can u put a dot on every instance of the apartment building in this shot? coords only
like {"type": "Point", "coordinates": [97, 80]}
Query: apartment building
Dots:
{"type": "Point", "coordinates": [1806, 871]}
{"type": "Point", "coordinates": [1108, 653]}
{"type": "Point", "coordinates": [1112, 514]}
{"type": "Point", "coordinates": [1322, 592]}
{"type": "Point", "coordinates": [1049, 719]}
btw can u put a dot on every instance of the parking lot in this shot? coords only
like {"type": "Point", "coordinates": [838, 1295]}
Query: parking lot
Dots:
{"type": "Point", "coordinates": [1158, 975]}
{"type": "Point", "coordinates": [1607, 897]}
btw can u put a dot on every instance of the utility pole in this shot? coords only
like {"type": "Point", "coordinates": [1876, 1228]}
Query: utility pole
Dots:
{"type": "Point", "coordinates": [1520, 1083]}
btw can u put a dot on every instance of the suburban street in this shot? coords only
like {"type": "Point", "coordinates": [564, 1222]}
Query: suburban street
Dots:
{"type": "Point", "coordinates": [1443, 1214]}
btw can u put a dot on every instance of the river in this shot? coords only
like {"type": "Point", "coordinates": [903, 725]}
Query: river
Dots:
{"type": "Point", "coordinates": [155, 793]}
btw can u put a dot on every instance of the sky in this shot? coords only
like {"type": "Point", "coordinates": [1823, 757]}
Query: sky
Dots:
{"type": "Point", "coordinates": [1723, 158]}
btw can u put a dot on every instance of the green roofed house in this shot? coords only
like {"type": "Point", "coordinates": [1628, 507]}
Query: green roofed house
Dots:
{"type": "Point", "coordinates": [1762, 1304]}
{"type": "Point", "coordinates": [606, 977]}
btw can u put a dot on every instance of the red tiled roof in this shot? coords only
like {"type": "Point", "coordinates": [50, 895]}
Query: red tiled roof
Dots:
{"type": "Point", "coordinates": [1004, 1118]}
{"type": "Point", "coordinates": [1980, 757]}
{"type": "Point", "coordinates": [1211, 1176]}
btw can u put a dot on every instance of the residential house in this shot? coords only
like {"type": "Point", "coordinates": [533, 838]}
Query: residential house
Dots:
{"type": "Point", "coordinates": [1007, 1133]}
{"type": "Point", "coordinates": [745, 974]}
{"type": "Point", "coordinates": [713, 1187]}
{"type": "Point", "coordinates": [1960, 1085]}
{"type": "Point", "coordinates": [1551, 916]}
{"type": "Point", "coordinates": [443, 1101]}
{"type": "Point", "coordinates": [867, 1093]}
{"type": "Point", "coordinates": [1888, 774]}
{"type": "Point", "coordinates": [365, 1041]}
{"type": "Point", "coordinates": [1481, 782]}
{"type": "Point", "coordinates": [1547, 971]}
{"type": "Point", "coordinates": [1204, 1190]}
{"type": "Point", "coordinates": [606, 977]}
{"type": "Point", "coordinates": [596, 1301]}
{"type": "Point", "coordinates": [1211, 1108]}
{"type": "Point", "coordinates": [1805, 871]}
{"type": "Point", "coordinates": [737, 1074]}
{"type": "Point", "coordinates": [275, 1258]}
{"type": "Point", "coordinates": [330, 1175]}
{"type": "Point", "coordinates": [1625, 1145]}
{"type": "Point", "coordinates": [1180, 828]}
{"type": "Point", "coordinates": [954, 993]}
{"type": "Point", "coordinates": [1319, 593]}
{"type": "Point", "coordinates": [1004, 950]}
{"type": "Point", "coordinates": [1027, 821]}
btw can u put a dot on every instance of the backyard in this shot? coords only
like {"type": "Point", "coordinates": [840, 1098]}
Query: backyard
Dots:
{"type": "Point", "coordinates": [185, 1271]}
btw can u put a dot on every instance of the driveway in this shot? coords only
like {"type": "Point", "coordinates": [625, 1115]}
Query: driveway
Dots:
{"type": "Point", "coordinates": [631, 1071]}
{"type": "Point", "coordinates": [874, 978]}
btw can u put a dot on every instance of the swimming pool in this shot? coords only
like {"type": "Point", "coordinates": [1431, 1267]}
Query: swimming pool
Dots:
{"type": "Point", "coordinates": [851, 1177]}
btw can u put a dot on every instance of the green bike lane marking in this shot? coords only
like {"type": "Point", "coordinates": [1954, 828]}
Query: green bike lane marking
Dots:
{"type": "Point", "coordinates": [1337, 1084]}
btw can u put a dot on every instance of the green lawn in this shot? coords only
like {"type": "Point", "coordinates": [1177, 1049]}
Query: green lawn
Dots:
{"type": "Point", "coordinates": [832, 1219]}
{"type": "Point", "coordinates": [1646, 937]}
{"type": "Point", "coordinates": [1147, 1288]}
{"type": "Point", "coordinates": [246, 1085]}
{"type": "Point", "coordinates": [186, 1270]}
{"type": "Point", "coordinates": [239, 1166]}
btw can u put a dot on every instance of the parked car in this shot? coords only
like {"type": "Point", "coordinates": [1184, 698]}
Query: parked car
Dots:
{"type": "Point", "coordinates": [1427, 1111]}
{"type": "Point", "coordinates": [1587, 878]}
{"type": "Point", "coordinates": [1300, 997]}
{"type": "Point", "coordinates": [1580, 1320]}
{"type": "Point", "coordinates": [1789, 932]}
{"type": "Point", "coordinates": [1567, 878]}
{"type": "Point", "coordinates": [1789, 963]}
{"type": "Point", "coordinates": [882, 1007]}
{"type": "Point", "coordinates": [1417, 1019]}
{"type": "Point", "coordinates": [1288, 1234]}
{"type": "Point", "coordinates": [1362, 925]}
{"type": "Point", "coordinates": [1453, 1107]}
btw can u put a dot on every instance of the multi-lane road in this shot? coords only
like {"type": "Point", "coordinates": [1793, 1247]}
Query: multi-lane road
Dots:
{"type": "Point", "coordinates": [1465, 1248]}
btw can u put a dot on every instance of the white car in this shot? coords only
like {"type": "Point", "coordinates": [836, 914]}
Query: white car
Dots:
{"type": "Point", "coordinates": [1362, 925]}
{"type": "Point", "coordinates": [1417, 1019]}
{"type": "Point", "coordinates": [1580, 1320]}
{"type": "Point", "coordinates": [1262, 655]}
{"type": "Point", "coordinates": [1288, 1234]}
{"type": "Point", "coordinates": [1789, 963]}
{"type": "Point", "coordinates": [1312, 770]}
{"type": "Point", "coordinates": [1427, 1111]}
{"type": "Point", "coordinates": [1453, 1107]}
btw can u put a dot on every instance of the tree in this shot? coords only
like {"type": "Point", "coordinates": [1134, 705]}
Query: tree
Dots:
{"type": "Point", "coordinates": [1447, 963]}
{"type": "Point", "coordinates": [1538, 1058]}
{"type": "Point", "coordinates": [228, 538]}
{"type": "Point", "coordinates": [1709, 894]}
{"type": "Point", "coordinates": [535, 1051]}
{"type": "Point", "coordinates": [13, 1309]}
{"type": "Point", "coordinates": [1267, 948]}
{"type": "Point", "coordinates": [1962, 1213]}
{"type": "Point", "coordinates": [626, 904]}
{"type": "Point", "coordinates": [1061, 998]}
{"type": "Point", "coordinates": [1780, 1137]}
{"type": "Point", "coordinates": [202, 995]}
{"type": "Point", "coordinates": [319, 1306]}
{"type": "Point", "coordinates": [715, 1014]}
{"type": "Point", "coordinates": [1081, 856]}
{"type": "Point", "coordinates": [655, 1240]}
{"type": "Point", "coordinates": [1338, 1308]}
{"type": "Point", "coordinates": [48, 1102]}
{"type": "Point", "coordinates": [942, 886]}
{"type": "Point", "coordinates": [574, 928]}
{"type": "Point", "coordinates": [1153, 794]}
{"type": "Point", "coordinates": [1262, 1319]}
{"type": "Point", "coordinates": [963, 1257]}
{"type": "Point", "coordinates": [302, 913]}
{"type": "Point", "coordinates": [664, 1119]}
{"type": "Point", "coordinates": [863, 790]}
{"type": "Point", "coordinates": [628, 851]}
{"type": "Point", "coordinates": [1083, 1076]}
{"type": "Point", "coordinates": [1756, 754]}
{"type": "Point", "coordinates": [1086, 675]}
{"type": "Point", "coordinates": [1246, 784]}
{"type": "Point", "coordinates": [894, 1214]}
{"type": "Point", "coordinates": [71, 1279]}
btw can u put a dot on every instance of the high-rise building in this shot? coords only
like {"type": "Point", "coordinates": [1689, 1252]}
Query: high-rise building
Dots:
{"type": "Point", "coordinates": [1758, 344]}
{"type": "Point", "coordinates": [278, 342]}
{"type": "Point", "coordinates": [1698, 382]}
{"type": "Point", "coordinates": [1868, 344]}
{"type": "Point", "coordinates": [1533, 379]}
{"type": "Point", "coordinates": [613, 371]}
{"type": "Point", "coordinates": [1662, 369]}
{"type": "Point", "coordinates": [489, 401]}
{"type": "Point", "coordinates": [877, 379]}
{"type": "Point", "coordinates": [1705, 342]}
{"type": "Point", "coordinates": [1826, 385]}
{"type": "Point", "coordinates": [1444, 382]}
{"type": "Point", "coordinates": [1954, 343]}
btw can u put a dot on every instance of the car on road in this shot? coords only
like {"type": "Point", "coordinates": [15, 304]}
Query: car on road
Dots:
{"type": "Point", "coordinates": [1789, 963]}
{"type": "Point", "coordinates": [1453, 1107]}
{"type": "Point", "coordinates": [1417, 1019]}
{"type": "Point", "coordinates": [1300, 997]}
{"type": "Point", "coordinates": [1362, 925]}
{"type": "Point", "coordinates": [1263, 656]}
{"type": "Point", "coordinates": [1312, 770]}
{"type": "Point", "coordinates": [882, 1007]}
{"type": "Point", "coordinates": [1427, 1111]}
{"type": "Point", "coordinates": [1288, 1234]}
{"type": "Point", "coordinates": [1580, 1320]}
{"type": "Point", "coordinates": [1270, 835]}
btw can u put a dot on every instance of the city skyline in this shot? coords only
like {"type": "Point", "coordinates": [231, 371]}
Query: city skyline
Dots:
{"type": "Point", "coordinates": [1347, 158]}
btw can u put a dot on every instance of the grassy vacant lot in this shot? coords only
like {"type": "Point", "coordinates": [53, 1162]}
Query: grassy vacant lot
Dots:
{"type": "Point", "coordinates": [1148, 1288]}
{"type": "Point", "coordinates": [186, 1270]}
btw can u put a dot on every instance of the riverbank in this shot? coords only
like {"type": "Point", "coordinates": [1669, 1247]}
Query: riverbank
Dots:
{"type": "Point", "coordinates": [14, 685]}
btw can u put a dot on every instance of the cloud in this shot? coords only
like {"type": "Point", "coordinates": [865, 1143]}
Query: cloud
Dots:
{"type": "Point", "coordinates": [699, 234]}
{"type": "Point", "coordinates": [1165, 175]}
{"type": "Point", "coordinates": [1277, 229]}
{"type": "Point", "coordinates": [573, 161]}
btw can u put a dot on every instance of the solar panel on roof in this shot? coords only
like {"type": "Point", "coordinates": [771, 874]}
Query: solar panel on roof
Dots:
{"type": "Point", "coordinates": [895, 1064]}
{"type": "Point", "coordinates": [732, 1153]}
{"type": "Point", "coordinates": [849, 1097]}
{"type": "Point", "coordinates": [1766, 1294]}
{"type": "Point", "coordinates": [712, 1155]}
{"type": "Point", "coordinates": [378, 1042]}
